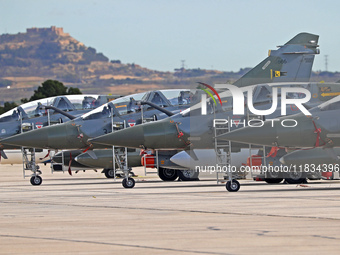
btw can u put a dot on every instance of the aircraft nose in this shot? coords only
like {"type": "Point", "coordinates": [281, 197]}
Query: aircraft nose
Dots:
{"type": "Point", "coordinates": [86, 159]}
{"type": "Point", "coordinates": [52, 137]}
{"type": "Point", "coordinates": [34, 139]}
{"type": "Point", "coordinates": [282, 160]}
{"type": "Point", "coordinates": [132, 137]}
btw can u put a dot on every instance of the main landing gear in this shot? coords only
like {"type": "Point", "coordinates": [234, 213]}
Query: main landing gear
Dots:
{"type": "Point", "coordinates": [30, 165]}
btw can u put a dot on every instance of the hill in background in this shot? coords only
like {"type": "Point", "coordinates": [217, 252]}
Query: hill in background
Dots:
{"type": "Point", "coordinates": [28, 59]}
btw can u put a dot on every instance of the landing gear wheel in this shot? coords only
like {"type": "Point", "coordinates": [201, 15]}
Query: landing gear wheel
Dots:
{"type": "Point", "coordinates": [128, 183]}
{"type": "Point", "coordinates": [109, 173]}
{"type": "Point", "coordinates": [188, 175]}
{"type": "Point", "coordinates": [233, 186]}
{"type": "Point", "coordinates": [36, 180]}
{"type": "Point", "coordinates": [167, 174]}
{"type": "Point", "coordinates": [295, 178]}
{"type": "Point", "coordinates": [273, 180]}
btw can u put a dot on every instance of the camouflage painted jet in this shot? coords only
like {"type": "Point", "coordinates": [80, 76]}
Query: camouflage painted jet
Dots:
{"type": "Point", "coordinates": [33, 115]}
{"type": "Point", "coordinates": [317, 137]}
{"type": "Point", "coordinates": [320, 129]}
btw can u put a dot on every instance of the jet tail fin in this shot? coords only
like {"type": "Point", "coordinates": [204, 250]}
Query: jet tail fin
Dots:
{"type": "Point", "coordinates": [292, 62]}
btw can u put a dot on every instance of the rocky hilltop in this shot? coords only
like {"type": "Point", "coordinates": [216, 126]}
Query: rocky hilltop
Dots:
{"type": "Point", "coordinates": [50, 52]}
{"type": "Point", "coordinates": [28, 59]}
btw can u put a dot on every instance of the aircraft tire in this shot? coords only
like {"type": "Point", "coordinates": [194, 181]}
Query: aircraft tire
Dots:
{"type": "Point", "coordinates": [295, 181]}
{"type": "Point", "coordinates": [109, 173]}
{"type": "Point", "coordinates": [36, 180]}
{"type": "Point", "coordinates": [233, 186]}
{"type": "Point", "coordinates": [273, 180]}
{"type": "Point", "coordinates": [188, 175]}
{"type": "Point", "coordinates": [128, 183]}
{"type": "Point", "coordinates": [167, 174]}
{"type": "Point", "coordinates": [295, 178]}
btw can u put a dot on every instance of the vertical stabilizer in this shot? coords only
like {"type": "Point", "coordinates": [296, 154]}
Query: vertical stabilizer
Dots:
{"type": "Point", "coordinates": [292, 62]}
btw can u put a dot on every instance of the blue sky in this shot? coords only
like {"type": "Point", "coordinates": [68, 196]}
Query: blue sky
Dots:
{"type": "Point", "coordinates": [213, 34]}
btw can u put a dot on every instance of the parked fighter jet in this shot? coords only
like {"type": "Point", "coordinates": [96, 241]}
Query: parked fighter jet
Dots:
{"type": "Point", "coordinates": [30, 113]}
{"type": "Point", "coordinates": [33, 115]}
{"type": "Point", "coordinates": [291, 62]}
{"type": "Point", "coordinates": [320, 129]}
{"type": "Point", "coordinates": [317, 135]}
{"type": "Point", "coordinates": [321, 92]}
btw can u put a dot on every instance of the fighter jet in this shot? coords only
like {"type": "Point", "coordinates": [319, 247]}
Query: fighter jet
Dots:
{"type": "Point", "coordinates": [320, 129]}
{"type": "Point", "coordinates": [317, 135]}
{"type": "Point", "coordinates": [44, 112]}
{"type": "Point", "coordinates": [37, 114]}
{"type": "Point", "coordinates": [23, 116]}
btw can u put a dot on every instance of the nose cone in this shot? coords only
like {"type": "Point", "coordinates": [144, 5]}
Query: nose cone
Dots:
{"type": "Point", "coordinates": [34, 139]}
{"type": "Point", "coordinates": [52, 137]}
{"type": "Point", "coordinates": [96, 158]}
{"type": "Point", "coordinates": [182, 159]}
{"type": "Point", "coordinates": [86, 159]}
{"type": "Point", "coordinates": [130, 137]}
{"type": "Point", "coordinates": [67, 156]}
{"type": "Point", "coordinates": [160, 134]}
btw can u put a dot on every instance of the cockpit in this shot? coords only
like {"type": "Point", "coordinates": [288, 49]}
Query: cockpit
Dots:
{"type": "Point", "coordinates": [121, 106]}
{"type": "Point", "coordinates": [169, 97]}
{"type": "Point", "coordinates": [128, 104]}
{"type": "Point", "coordinates": [65, 103]}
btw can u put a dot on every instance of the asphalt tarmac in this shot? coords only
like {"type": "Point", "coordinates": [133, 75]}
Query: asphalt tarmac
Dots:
{"type": "Point", "coordinates": [89, 214]}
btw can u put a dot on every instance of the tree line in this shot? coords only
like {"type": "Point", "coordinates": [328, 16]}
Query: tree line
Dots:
{"type": "Point", "coordinates": [48, 88]}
